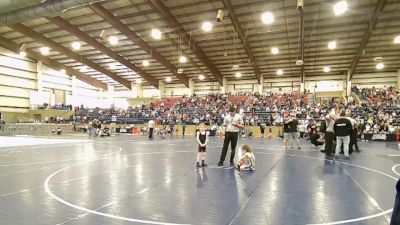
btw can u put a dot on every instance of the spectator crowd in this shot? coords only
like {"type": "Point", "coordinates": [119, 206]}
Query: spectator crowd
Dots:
{"type": "Point", "coordinates": [373, 110]}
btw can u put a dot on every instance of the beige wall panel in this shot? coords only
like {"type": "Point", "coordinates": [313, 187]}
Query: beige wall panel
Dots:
{"type": "Point", "coordinates": [17, 63]}
{"type": "Point", "coordinates": [373, 75]}
{"type": "Point", "coordinates": [14, 91]}
{"type": "Point", "coordinates": [14, 102]}
{"type": "Point", "coordinates": [17, 82]}
{"type": "Point", "coordinates": [17, 73]}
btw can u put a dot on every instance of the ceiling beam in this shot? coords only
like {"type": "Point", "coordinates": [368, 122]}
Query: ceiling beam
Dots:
{"type": "Point", "coordinates": [243, 39]}
{"type": "Point", "coordinates": [14, 47]}
{"type": "Point", "coordinates": [71, 54]}
{"type": "Point", "coordinates": [124, 29]}
{"type": "Point", "coordinates": [173, 22]}
{"type": "Point", "coordinates": [376, 14]}
{"type": "Point", "coordinates": [63, 24]}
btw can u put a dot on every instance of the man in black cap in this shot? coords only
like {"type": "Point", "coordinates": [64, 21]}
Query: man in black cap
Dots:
{"type": "Point", "coordinates": [233, 122]}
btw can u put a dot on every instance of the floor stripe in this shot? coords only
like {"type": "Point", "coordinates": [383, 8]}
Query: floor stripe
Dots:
{"type": "Point", "coordinates": [255, 190]}
{"type": "Point", "coordinates": [394, 169]}
{"type": "Point", "coordinates": [48, 191]}
{"type": "Point", "coordinates": [370, 198]}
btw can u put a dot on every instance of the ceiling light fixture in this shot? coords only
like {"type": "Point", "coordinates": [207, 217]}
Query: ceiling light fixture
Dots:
{"type": "Point", "coordinates": [45, 50]}
{"type": "Point", "coordinates": [397, 40]}
{"type": "Point", "coordinates": [279, 72]}
{"type": "Point", "coordinates": [275, 50]}
{"type": "Point", "coordinates": [332, 45]}
{"type": "Point", "coordinates": [113, 66]}
{"type": "Point", "coordinates": [138, 81]}
{"type": "Point", "coordinates": [102, 33]}
{"type": "Point", "coordinates": [146, 63]}
{"type": "Point", "coordinates": [238, 74]}
{"type": "Point", "coordinates": [267, 18]}
{"type": "Point", "coordinates": [22, 53]}
{"type": "Point", "coordinates": [207, 26]}
{"type": "Point", "coordinates": [113, 40]}
{"type": "Point", "coordinates": [156, 34]}
{"type": "Point", "coordinates": [168, 79]}
{"type": "Point", "coordinates": [340, 7]}
{"type": "Point", "coordinates": [83, 69]}
{"type": "Point", "coordinates": [380, 66]}
{"type": "Point", "coordinates": [201, 77]}
{"type": "Point", "coordinates": [76, 45]}
{"type": "Point", "coordinates": [182, 59]}
{"type": "Point", "coordinates": [327, 69]}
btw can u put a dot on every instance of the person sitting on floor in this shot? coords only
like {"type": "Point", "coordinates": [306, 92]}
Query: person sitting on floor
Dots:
{"type": "Point", "coordinates": [105, 132]}
{"type": "Point", "coordinates": [247, 160]}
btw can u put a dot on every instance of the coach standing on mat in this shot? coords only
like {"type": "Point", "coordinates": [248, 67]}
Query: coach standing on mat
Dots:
{"type": "Point", "coordinates": [233, 122]}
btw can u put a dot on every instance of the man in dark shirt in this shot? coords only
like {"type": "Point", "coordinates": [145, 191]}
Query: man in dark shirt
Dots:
{"type": "Point", "coordinates": [294, 133]}
{"type": "Point", "coordinates": [342, 129]}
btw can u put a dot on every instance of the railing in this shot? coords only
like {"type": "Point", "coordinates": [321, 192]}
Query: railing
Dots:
{"type": "Point", "coordinates": [357, 93]}
{"type": "Point", "coordinates": [32, 128]}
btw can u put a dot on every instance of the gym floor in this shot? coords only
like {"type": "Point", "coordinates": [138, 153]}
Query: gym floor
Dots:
{"type": "Point", "coordinates": [131, 180]}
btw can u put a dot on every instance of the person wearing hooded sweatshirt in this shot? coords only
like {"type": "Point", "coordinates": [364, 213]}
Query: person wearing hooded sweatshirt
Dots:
{"type": "Point", "coordinates": [342, 128]}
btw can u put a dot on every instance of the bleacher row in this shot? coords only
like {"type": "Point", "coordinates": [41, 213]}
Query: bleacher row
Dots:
{"type": "Point", "coordinates": [193, 108]}
{"type": "Point", "coordinates": [266, 109]}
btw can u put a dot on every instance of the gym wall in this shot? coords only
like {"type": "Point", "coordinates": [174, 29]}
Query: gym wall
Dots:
{"type": "Point", "coordinates": [20, 79]}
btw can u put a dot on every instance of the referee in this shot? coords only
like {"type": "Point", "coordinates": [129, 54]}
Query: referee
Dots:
{"type": "Point", "coordinates": [233, 122]}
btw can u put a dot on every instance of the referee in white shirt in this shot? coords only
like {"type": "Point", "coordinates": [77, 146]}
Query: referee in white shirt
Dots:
{"type": "Point", "coordinates": [233, 122]}
{"type": "Point", "coordinates": [151, 128]}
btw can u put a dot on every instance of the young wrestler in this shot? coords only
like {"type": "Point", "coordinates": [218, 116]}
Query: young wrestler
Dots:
{"type": "Point", "coordinates": [247, 160]}
{"type": "Point", "coordinates": [202, 139]}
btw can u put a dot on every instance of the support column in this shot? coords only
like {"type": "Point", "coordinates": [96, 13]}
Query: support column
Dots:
{"type": "Point", "coordinates": [39, 76]}
{"type": "Point", "coordinates": [73, 86]}
{"type": "Point", "coordinates": [52, 100]}
{"type": "Point", "coordinates": [103, 102]}
{"type": "Point", "coordinates": [302, 85]}
{"type": "Point", "coordinates": [261, 86]}
{"type": "Point", "coordinates": [137, 90]}
{"type": "Point", "coordinates": [191, 86]}
{"type": "Point", "coordinates": [348, 84]}
{"type": "Point", "coordinates": [224, 88]}
{"type": "Point", "coordinates": [161, 88]}
{"type": "Point", "coordinates": [398, 78]}
{"type": "Point", "coordinates": [73, 91]}
{"type": "Point", "coordinates": [110, 95]}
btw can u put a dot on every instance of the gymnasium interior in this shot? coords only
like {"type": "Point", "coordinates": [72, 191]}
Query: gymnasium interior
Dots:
{"type": "Point", "coordinates": [151, 111]}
